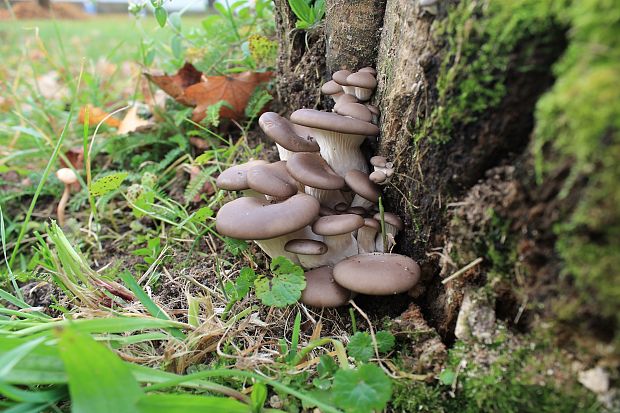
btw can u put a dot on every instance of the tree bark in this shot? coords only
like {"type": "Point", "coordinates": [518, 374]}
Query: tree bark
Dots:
{"type": "Point", "coordinates": [352, 32]}
{"type": "Point", "coordinates": [45, 4]}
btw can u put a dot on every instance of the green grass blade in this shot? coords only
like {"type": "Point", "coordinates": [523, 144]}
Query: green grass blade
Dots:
{"type": "Point", "coordinates": [183, 403]}
{"type": "Point", "coordinates": [149, 304]}
{"type": "Point", "coordinates": [11, 358]}
{"type": "Point", "coordinates": [99, 382]}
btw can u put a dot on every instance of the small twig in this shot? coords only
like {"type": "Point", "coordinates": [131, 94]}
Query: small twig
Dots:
{"type": "Point", "coordinates": [463, 270]}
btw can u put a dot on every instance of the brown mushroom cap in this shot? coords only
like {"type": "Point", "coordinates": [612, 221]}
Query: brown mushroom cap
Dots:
{"type": "Point", "coordinates": [379, 161]}
{"type": "Point", "coordinates": [361, 184]}
{"type": "Point", "coordinates": [378, 177]}
{"type": "Point", "coordinates": [373, 109]}
{"type": "Point", "coordinates": [370, 70]}
{"type": "Point", "coordinates": [337, 224]}
{"type": "Point", "coordinates": [280, 130]}
{"type": "Point", "coordinates": [306, 247]}
{"type": "Point", "coordinates": [355, 110]}
{"type": "Point", "coordinates": [251, 218]}
{"type": "Point", "coordinates": [341, 76]}
{"type": "Point", "coordinates": [322, 291]}
{"type": "Point", "coordinates": [333, 122]}
{"type": "Point", "coordinates": [390, 218]}
{"type": "Point", "coordinates": [362, 79]}
{"type": "Point", "coordinates": [341, 207]}
{"type": "Point", "coordinates": [331, 88]}
{"type": "Point", "coordinates": [357, 210]}
{"type": "Point", "coordinates": [312, 170]}
{"type": "Point", "coordinates": [66, 176]}
{"type": "Point", "coordinates": [325, 211]}
{"type": "Point", "coordinates": [373, 223]}
{"type": "Point", "coordinates": [377, 273]}
{"type": "Point", "coordinates": [235, 177]}
{"type": "Point", "coordinates": [272, 179]}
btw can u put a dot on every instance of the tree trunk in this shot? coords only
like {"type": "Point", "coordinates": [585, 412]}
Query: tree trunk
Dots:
{"type": "Point", "coordinates": [46, 4]}
{"type": "Point", "coordinates": [466, 114]}
{"type": "Point", "coordinates": [352, 31]}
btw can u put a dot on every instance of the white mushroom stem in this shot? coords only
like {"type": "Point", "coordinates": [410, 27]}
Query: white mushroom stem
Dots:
{"type": "Point", "coordinates": [362, 93]}
{"type": "Point", "coordinates": [62, 205]}
{"type": "Point", "coordinates": [349, 90]}
{"type": "Point", "coordinates": [283, 153]}
{"type": "Point", "coordinates": [362, 202]}
{"type": "Point", "coordinates": [253, 194]}
{"type": "Point", "coordinates": [341, 151]}
{"type": "Point", "coordinates": [366, 239]}
{"type": "Point", "coordinates": [390, 232]}
{"type": "Point", "coordinates": [339, 248]}
{"type": "Point", "coordinates": [326, 197]}
{"type": "Point", "coordinates": [274, 247]}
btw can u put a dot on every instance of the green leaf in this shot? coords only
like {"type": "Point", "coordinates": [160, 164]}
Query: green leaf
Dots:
{"type": "Point", "coordinates": [246, 278]}
{"type": "Point", "coordinates": [286, 285]}
{"type": "Point", "coordinates": [176, 46]}
{"type": "Point", "coordinates": [175, 20]}
{"type": "Point", "coordinates": [260, 97]}
{"type": "Point", "coordinates": [107, 184]}
{"type": "Point", "coordinates": [360, 346]}
{"type": "Point", "coordinates": [161, 16]}
{"type": "Point", "coordinates": [258, 396]}
{"type": "Point", "coordinates": [184, 403]}
{"type": "Point", "coordinates": [301, 10]}
{"type": "Point", "coordinates": [235, 246]}
{"type": "Point", "coordinates": [202, 214]}
{"type": "Point", "coordinates": [99, 381]}
{"type": "Point", "coordinates": [385, 341]}
{"type": "Point", "coordinates": [327, 366]}
{"type": "Point", "coordinates": [363, 390]}
{"type": "Point", "coordinates": [447, 377]}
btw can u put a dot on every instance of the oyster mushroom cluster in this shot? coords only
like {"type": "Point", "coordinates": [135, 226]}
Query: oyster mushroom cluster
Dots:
{"type": "Point", "coordinates": [317, 206]}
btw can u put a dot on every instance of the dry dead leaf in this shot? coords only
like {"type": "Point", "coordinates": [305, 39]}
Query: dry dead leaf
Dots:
{"type": "Point", "coordinates": [235, 89]}
{"type": "Point", "coordinates": [132, 122]}
{"type": "Point", "coordinates": [96, 115]}
{"type": "Point", "coordinates": [50, 87]}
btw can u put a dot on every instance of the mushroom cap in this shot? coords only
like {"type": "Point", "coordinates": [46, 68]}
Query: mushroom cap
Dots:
{"type": "Point", "coordinates": [357, 210]}
{"type": "Point", "coordinates": [331, 88]}
{"type": "Point", "coordinates": [373, 109]}
{"type": "Point", "coordinates": [340, 207]}
{"type": "Point", "coordinates": [272, 179]}
{"type": "Point", "coordinates": [66, 176]}
{"type": "Point", "coordinates": [390, 218]}
{"type": "Point", "coordinates": [361, 184]}
{"type": "Point", "coordinates": [341, 76]}
{"type": "Point", "coordinates": [322, 291]}
{"type": "Point", "coordinates": [251, 218]}
{"type": "Point", "coordinates": [337, 224]}
{"type": "Point", "coordinates": [377, 177]}
{"type": "Point", "coordinates": [362, 79]}
{"type": "Point", "coordinates": [312, 170]}
{"type": "Point", "coordinates": [333, 122]}
{"type": "Point", "coordinates": [369, 69]}
{"type": "Point", "coordinates": [372, 223]}
{"type": "Point", "coordinates": [378, 160]}
{"type": "Point", "coordinates": [306, 247]}
{"type": "Point", "coordinates": [235, 177]}
{"type": "Point", "coordinates": [280, 130]}
{"type": "Point", "coordinates": [355, 110]}
{"type": "Point", "coordinates": [377, 273]}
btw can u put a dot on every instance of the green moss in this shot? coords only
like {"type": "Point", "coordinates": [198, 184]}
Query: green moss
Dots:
{"type": "Point", "coordinates": [578, 123]}
{"type": "Point", "coordinates": [482, 39]}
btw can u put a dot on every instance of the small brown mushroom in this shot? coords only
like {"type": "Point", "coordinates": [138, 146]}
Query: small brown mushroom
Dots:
{"type": "Point", "coordinates": [337, 231]}
{"type": "Point", "coordinates": [322, 291]}
{"type": "Point", "coordinates": [319, 178]}
{"type": "Point", "coordinates": [340, 77]}
{"type": "Point", "coordinates": [366, 192]}
{"type": "Point", "coordinates": [283, 133]}
{"type": "Point", "coordinates": [67, 177]}
{"type": "Point", "coordinates": [308, 251]}
{"type": "Point", "coordinates": [364, 84]}
{"type": "Point", "coordinates": [377, 273]}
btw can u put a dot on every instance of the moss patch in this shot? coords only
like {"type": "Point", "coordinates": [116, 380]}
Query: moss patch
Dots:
{"type": "Point", "coordinates": [484, 39]}
{"type": "Point", "coordinates": [578, 122]}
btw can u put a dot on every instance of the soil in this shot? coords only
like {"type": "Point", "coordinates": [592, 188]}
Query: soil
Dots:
{"type": "Point", "coordinates": [31, 10]}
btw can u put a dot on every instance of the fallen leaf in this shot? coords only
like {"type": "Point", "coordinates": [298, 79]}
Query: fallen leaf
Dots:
{"type": "Point", "coordinates": [132, 122]}
{"type": "Point", "coordinates": [75, 155]}
{"type": "Point", "coordinates": [175, 85]}
{"type": "Point", "coordinates": [96, 115]}
{"type": "Point", "coordinates": [50, 86]}
{"type": "Point", "coordinates": [190, 88]}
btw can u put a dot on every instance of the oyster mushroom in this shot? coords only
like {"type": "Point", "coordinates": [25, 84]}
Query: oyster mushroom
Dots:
{"type": "Point", "coordinates": [364, 84]}
{"type": "Point", "coordinates": [283, 133]}
{"type": "Point", "coordinates": [319, 178]}
{"type": "Point", "coordinates": [393, 224]}
{"type": "Point", "coordinates": [377, 273]}
{"type": "Point", "coordinates": [337, 232]}
{"type": "Point", "coordinates": [366, 192]}
{"type": "Point", "coordinates": [308, 251]}
{"type": "Point", "coordinates": [322, 291]}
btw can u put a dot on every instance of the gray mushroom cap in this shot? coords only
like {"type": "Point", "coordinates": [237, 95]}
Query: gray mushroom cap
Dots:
{"type": "Point", "coordinates": [333, 122]}
{"type": "Point", "coordinates": [362, 79]}
{"type": "Point", "coordinates": [355, 110]}
{"type": "Point", "coordinates": [312, 170]}
{"type": "Point", "coordinates": [337, 224]}
{"type": "Point", "coordinates": [331, 88]}
{"type": "Point", "coordinates": [306, 247]}
{"type": "Point", "coordinates": [378, 160]}
{"type": "Point", "coordinates": [272, 179]}
{"type": "Point", "coordinates": [369, 69]}
{"type": "Point", "coordinates": [341, 76]}
{"type": "Point", "coordinates": [251, 218]}
{"type": "Point", "coordinates": [391, 219]}
{"type": "Point", "coordinates": [235, 177]}
{"type": "Point", "coordinates": [281, 131]}
{"type": "Point", "coordinates": [377, 273]}
{"type": "Point", "coordinates": [322, 291]}
{"type": "Point", "coordinates": [361, 184]}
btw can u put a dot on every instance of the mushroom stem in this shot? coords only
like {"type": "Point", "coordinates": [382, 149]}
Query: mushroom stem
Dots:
{"type": "Point", "coordinates": [339, 248]}
{"type": "Point", "coordinates": [366, 239]}
{"type": "Point", "coordinates": [62, 205]}
{"type": "Point", "coordinates": [341, 151]}
{"type": "Point", "coordinates": [326, 197]}
{"type": "Point", "coordinates": [360, 201]}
